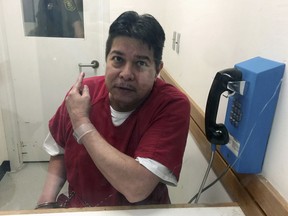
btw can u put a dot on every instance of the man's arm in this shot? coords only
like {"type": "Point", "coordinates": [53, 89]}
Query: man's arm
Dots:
{"type": "Point", "coordinates": [78, 29]}
{"type": "Point", "coordinates": [55, 179]}
{"type": "Point", "coordinates": [126, 175]}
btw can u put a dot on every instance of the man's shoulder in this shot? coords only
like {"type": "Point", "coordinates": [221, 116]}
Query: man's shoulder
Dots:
{"type": "Point", "coordinates": [170, 92]}
{"type": "Point", "coordinates": [165, 96]}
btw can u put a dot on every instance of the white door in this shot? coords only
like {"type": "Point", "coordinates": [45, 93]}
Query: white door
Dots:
{"type": "Point", "coordinates": [44, 68]}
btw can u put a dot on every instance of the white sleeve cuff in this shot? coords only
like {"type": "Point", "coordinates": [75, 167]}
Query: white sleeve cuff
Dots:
{"type": "Point", "coordinates": [51, 147]}
{"type": "Point", "coordinates": [158, 169]}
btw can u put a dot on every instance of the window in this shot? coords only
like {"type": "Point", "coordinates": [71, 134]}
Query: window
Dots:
{"type": "Point", "coordinates": [53, 18]}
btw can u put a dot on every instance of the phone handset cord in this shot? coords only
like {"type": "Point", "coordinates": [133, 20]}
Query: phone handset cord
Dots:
{"type": "Point", "coordinates": [213, 149]}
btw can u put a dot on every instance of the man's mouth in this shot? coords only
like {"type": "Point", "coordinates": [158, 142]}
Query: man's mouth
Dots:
{"type": "Point", "coordinates": [125, 87]}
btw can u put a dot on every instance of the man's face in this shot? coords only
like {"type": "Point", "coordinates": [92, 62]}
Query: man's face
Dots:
{"type": "Point", "coordinates": [130, 73]}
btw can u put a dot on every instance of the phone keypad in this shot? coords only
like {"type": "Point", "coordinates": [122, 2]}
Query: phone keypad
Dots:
{"type": "Point", "coordinates": [236, 113]}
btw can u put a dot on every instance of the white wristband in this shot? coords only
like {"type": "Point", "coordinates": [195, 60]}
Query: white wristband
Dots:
{"type": "Point", "coordinates": [82, 130]}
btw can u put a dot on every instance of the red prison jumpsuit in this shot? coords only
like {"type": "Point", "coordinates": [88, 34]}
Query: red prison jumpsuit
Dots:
{"type": "Point", "coordinates": [156, 130]}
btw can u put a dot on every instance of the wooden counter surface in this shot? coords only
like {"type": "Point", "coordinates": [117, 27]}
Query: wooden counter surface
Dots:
{"type": "Point", "coordinates": [232, 209]}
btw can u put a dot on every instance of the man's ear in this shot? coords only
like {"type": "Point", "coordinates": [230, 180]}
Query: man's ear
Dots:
{"type": "Point", "coordinates": [159, 68]}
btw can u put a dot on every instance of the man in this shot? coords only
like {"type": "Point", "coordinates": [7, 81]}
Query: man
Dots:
{"type": "Point", "coordinates": [119, 139]}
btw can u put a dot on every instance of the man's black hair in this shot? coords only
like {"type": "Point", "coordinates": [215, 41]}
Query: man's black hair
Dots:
{"type": "Point", "coordinates": [142, 27]}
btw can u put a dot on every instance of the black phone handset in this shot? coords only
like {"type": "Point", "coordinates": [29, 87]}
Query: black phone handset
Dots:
{"type": "Point", "coordinates": [217, 133]}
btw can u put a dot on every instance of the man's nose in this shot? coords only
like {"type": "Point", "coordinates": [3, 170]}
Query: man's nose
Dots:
{"type": "Point", "coordinates": [127, 72]}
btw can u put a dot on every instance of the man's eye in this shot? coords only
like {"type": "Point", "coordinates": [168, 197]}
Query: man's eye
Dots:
{"type": "Point", "coordinates": [142, 63]}
{"type": "Point", "coordinates": [117, 59]}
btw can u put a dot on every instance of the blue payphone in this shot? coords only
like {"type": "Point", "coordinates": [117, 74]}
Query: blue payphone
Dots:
{"type": "Point", "coordinates": [254, 87]}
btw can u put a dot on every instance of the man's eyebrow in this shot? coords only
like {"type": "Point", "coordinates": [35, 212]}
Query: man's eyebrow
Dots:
{"type": "Point", "coordinates": [117, 52]}
{"type": "Point", "coordinates": [143, 57]}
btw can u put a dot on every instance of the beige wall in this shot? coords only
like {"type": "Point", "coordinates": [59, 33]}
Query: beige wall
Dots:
{"type": "Point", "coordinates": [216, 35]}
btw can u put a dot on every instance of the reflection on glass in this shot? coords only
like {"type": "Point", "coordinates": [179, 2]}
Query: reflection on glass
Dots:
{"type": "Point", "coordinates": [53, 18]}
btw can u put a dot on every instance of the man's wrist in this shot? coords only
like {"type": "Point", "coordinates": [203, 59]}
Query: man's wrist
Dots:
{"type": "Point", "coordinates": [77, 123]}
{"type": "Point", "coordinates": [82, 130]}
